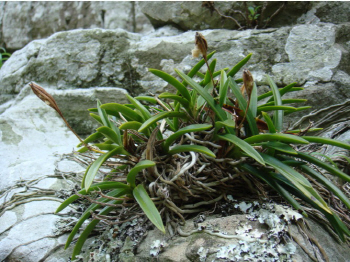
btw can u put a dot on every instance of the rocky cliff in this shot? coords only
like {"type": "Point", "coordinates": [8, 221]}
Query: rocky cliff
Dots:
{"type": "Point", "coordinates": [81, 51]}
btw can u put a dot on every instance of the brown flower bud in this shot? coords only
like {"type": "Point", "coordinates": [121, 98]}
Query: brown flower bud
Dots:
{"type": "Point", "coordinates": [201, 44]}
{"type": "Point", "coordinates": [45, 96]}
{"type": "Point", "coordinates": [248, 82]}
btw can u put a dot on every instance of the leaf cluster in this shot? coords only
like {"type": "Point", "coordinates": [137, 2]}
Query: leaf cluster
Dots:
{"type": "Point", "coordinates": [183, 150]}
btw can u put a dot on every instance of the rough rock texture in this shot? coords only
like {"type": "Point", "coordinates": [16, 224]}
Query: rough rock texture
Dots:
{"type": "Point", "coordinates": [309, 44]}
{"type": "Point", "coordinates": [36, 20]}
{"type": "Point", "coordinates": [313, 55]}
{"type": "Point", "coordinates": [191, 15]}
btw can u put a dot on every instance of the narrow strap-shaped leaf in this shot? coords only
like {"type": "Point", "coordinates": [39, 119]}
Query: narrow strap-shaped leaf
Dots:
{"type": "Point", "coordinates": [269, 122]}
{"type": "Point", "coordinates": [328, 184]}
{"type": "Point", "coordinates": [149, 99]}
{"type": "Point", "coordinates": [220, 113]}
{"type": "Point", "coordinates": [286, 101]}
{"type": "Point", "coordinates": [95, 166]}
{"type": "Point", "coordinates": [148, 207]}
{"type": "Point", "coordinates": [243, 105]}
{"type": "Point", "coordinates": [272, 182]}
{"type": "Point", "coordinates": [198, 66]}
{"type": "Point", "coordinates": [297, 109]}
{"type": "Point", "coordinates": [209, 74]}
{"type": "Point", "coordinates": [158, 117]}
{"type": "Point", "coordinates": [187, 129]}
{"type": "Point", "coordinates": [299, 181]}
{"type": "Point", "coordinates": [328, 141]}
{"type": "Point", "coordinates": [133, 125]}
{"type": "Point", "coordinates": [248, 149]}
{"type": "Point", "coordinates": [91, 138]}
{"type": "Point", "coordinates": [184, 102]}
{"type": "Point", "coordinates": [114, 193]}
{"type": "Point", "coordinates": [172, 81]}
{"type": "Point", "coordinates": [278, 115]}
{"type": "Point", "coordinates": [284, 90]}
{"type": "Point", "coordinates": [114, 109]}
{"type": "Point", "coordinates": [191, 148]}
{"type": "Point", "coordinates": [102, 186]}
{"type": "Point", "coordinates": [201, 100]}
{"type": "Point", "coordinates": [103, 115]}
{"type": "Point", "coordinates": [295, 131]}
{"type": "Point", "coordinates": [145, 113]}
{"type": "Point", "coordinates": [223, 88]}
{"type": "Point", "coordinates": [97, 118]}
{"type": "Point", "coordinates": [253, 105]}
{"type": "Point", "coordinates": [84, 235]}
{"type": "Point", "coordinates": [334, 171]}
{"type": "Point", "coordinates": [272, 108]}
{"type": "Point", "coordinates": [239, 65]}
{"type": "Point", "coordinates": [131, 177]}
{"type": "Point", "coordinates": [110, 134]}
{"type": "Point", "coordinates": [288, 88]}
{"type": "Point", "coordinates": [276, 137]}
{"type": "Point", "coordinates": [282, 147]}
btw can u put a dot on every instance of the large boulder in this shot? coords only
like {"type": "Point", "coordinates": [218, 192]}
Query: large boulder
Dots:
{"type": "Point", "coordinates": [313, 55]}
{"type": "Point", "coordinates": [23, 22]}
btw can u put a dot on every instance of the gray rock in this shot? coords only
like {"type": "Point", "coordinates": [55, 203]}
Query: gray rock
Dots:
{"type": "Point", "coordinates": [36, 20]}
{"type": "Point", "coordinates": [192, 15]}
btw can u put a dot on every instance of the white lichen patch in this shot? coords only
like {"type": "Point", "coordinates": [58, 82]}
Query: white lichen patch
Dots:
{"type": "Point", "coordinates": [156, 247]}
{"type": "Point", "coordinates": [202, 252]}
{"type": "Point", "coordinates": [257, 244]}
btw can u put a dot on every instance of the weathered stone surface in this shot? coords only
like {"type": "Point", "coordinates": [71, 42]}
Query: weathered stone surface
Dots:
{"type": "Point", "coordinates": [313, 55]}
{"type": "Point", "coordinates": [192, 15]}
{"type": "Point", "coordinates": [254, 236]}
{"type": "Point", "coordinates": [36, 20]}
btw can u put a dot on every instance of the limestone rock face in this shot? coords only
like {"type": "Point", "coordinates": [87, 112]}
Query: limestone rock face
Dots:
{"type": "Point", "coordinates": [25, 22]}
{"type": "Point", "coordinates": [81, 51]}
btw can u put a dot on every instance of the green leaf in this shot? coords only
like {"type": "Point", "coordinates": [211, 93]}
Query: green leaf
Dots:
{"type": "Point", "coordinates": [182, 131]}
{"type": "Point", "coordinates": [210, 100]}
{"type": "Point", "coordinates": [148, 207]}
{"type": "Point", "coordinates": [131, 177]}
{"type": "Point", "coordinates": [133, 125]}
{"type": "Point", "coordinates": [84, 235]}
{"type": "Point", "coordinates": [269, 122]}
{"type": "Point", "coordinates": [97, 186]}
{"type": "Point", "coordinates": [158, 117]}
{"type": "Point", "coordinates": [278, 115]}
{"type": "Point", "coordinates": [191, 148]}
{"type": "Point", "coordinates": [197, 67]}
{"type": "Point", "coordinates": [243, 105]}
{"type": "Point", "coordinates": [334, 171]}
{"type": "Point", "coordinates": [286, 101]}
{"type": "Point", "coordinates": [282, 147]}
{"type": "Point", "coordinates": [223, 88]}
{"type": "Point", "coordinates": [103, 115]}
{"type": "Point", "coordinates": [115, 109]}
{"type": "Point", "coordinates": [299, 181]}
{"type": "Point", "coordinates": [97, 118]}
{"type": "Point", "coordinates": [239, 65]}
{"type": "Point", "coordinates": [172, 81]}
{"type": "Point", "coordinates": [254, 101]}
{"type": "Point", "coordinates": [300, 130]}
{"type": "Point", "coordinates": [145, 113]}
{"type": "Point", "coordinates": [148, 99]}
{"type": "Point", "coordinates": [114, 193]}
{"type": "Point", "coordinates": [110, 134]}
{"type": "Point", "coordinates": [297, 109]}
{"type": "Point", "coordinates": [276, 137]}
{"type": "Point", "coordinates": [91, 138]}
{"type": "Point", "coordinates": [95, 166]}
{"type": "Point", "coordinates": [244, 146]}
{"type": "Point", "coordinates": [209, 89]}
{"type": "Point", "coordinates": [207, 77]}
{"type": "Point", "coordinates": [328, 184]}
{"type": "Point", "coordinates": [273, 108]}
{"type": "Point", "coordinates": [228, 123]}
{"type": "Point", "coordinates": [288, 88]}
{"type": "Point", "coordinates": [328, 141]}
{"type": "Point", "coordinates": [185, 103]}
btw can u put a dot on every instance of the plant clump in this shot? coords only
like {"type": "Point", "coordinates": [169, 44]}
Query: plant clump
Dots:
{"type": "Point", "coordinates": [178, 154]}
